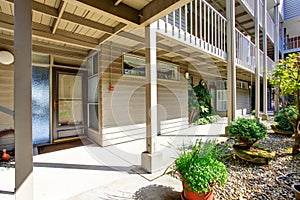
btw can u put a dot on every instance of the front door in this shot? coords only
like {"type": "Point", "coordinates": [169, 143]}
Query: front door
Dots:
{"type": "Point", "coordinates": [68, 104]}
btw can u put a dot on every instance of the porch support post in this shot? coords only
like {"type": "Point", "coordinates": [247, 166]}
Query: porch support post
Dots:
{"type": "Point", "coordinates": [257, 60]}
{"type": "Point", "coordinates": [151, 159]}
{"type": "Point", "coordinates": [22, 99]}
{"type": "Point", "coordinates": [276, 52]}
{"type": "Point", "coordinates": [265, 65]}
{"type": "Point", "coordinates": [231, 54]}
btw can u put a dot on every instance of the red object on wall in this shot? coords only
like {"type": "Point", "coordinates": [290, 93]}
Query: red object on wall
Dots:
{"type": "Point", "coordinates": [111, 88]}
{"type": "Point", "coordinates": [5, 156]}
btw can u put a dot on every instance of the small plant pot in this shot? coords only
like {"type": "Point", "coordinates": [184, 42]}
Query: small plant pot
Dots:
{"type": "Point", "coordinates": [258, 155]}
{"type": "Point", "coordinates": [296, 189]}
{"type": "Point", "coordinates": [187, 194]}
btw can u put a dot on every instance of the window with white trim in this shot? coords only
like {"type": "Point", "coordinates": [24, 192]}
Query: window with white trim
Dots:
{"type": "Point", "coordinates": [92, 105]}
{"type": "Point", "coordinates": [221, 95]}
{"type": "Point", "coordinates": [221, 100]}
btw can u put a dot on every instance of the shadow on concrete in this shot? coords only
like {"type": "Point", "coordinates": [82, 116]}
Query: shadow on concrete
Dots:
{"type": "Point", "coordinates": [156, 192]}
{"type": "Point", "coordinates": [129, 169]}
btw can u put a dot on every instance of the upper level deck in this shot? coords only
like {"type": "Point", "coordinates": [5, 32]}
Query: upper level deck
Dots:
{"type": "Point", "coordinates": [201, 26]}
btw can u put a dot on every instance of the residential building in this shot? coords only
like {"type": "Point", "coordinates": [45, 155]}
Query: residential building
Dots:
{"type": "Point", "coordinates": [117, 71]}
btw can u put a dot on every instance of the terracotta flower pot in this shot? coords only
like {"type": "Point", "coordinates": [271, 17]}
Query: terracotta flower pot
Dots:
{"type": "Point", "coordinates": [296, 189]}
{"type": "Point", "coordinates": [189, 195]}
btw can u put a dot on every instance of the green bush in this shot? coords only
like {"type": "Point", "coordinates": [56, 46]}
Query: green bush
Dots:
{"type": "Point", "coordinates": [247, 130]}
{"type": "Point", "coordinates": [207, 119]}
{"type": "Point", "coordinates": [282, 120]}
{"type": "Point", "coordinates": [199, 167]}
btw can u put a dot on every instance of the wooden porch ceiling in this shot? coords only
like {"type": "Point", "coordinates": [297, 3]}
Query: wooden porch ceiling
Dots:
{"type": "Point", "coordinates": [81, 25]}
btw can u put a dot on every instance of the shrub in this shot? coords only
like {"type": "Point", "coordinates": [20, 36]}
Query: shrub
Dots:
{"type": "Point", "coordinates": [207, 119]}
{"type": "Point", "coordinates": [282, 120]}
{"type": "Point", "coordinates": [247, 130]}
{"type": "Point", "coordinates": [199, 167]}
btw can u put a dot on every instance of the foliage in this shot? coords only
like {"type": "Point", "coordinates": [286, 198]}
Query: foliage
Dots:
{"type": "Point", "coordinates": [247, 130]}
{"type": "Point", "coordinates": [207, 119]}
{"type": "Point", "coordinates": [253, 112]}
{"type": "Point", "coordinates": [200, 168]}
{"type": "Point", "coordinates": [283, 121]}
{"type": "Point", "coordinates": [287, 78]}
{"type": "Point", "coordinates": [200, 110]}
{"type": "Point", "coordinates": [193, 105]}
{"type": "Point", "coordinates": [203, 97]}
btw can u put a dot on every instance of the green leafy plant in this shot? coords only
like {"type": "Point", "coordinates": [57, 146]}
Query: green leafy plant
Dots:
{"type": "Point", "coordinates": [200, 167]}
{"type": "Point", "coordinates": [283, 121]}
{"type": "Point", "coordinates": [286, 77]}
{"type": "Point", "coordinates": [247, 130]}
{"type": "Point", "coordinates": [207, 119]}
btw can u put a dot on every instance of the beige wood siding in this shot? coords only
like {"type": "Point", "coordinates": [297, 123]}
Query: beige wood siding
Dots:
{"type": "Point", "coordinates": [6, 101]}
{"type": "Point", "coordinates": [123, 110]}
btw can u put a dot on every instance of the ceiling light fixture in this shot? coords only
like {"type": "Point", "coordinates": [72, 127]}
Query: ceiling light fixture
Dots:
{"type": "Point", "coordinates": [6, 58]}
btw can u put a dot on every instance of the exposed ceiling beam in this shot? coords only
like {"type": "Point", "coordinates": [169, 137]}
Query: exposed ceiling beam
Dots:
{"type": "Point", "coordinates": [123, 13]}
{"type": "Point", "coordinates": [44, 32]}
{"type": "Point", "coordinates": [52, 12]}
{"type": "Point", "coordinates": [157, 9]}
{"type": "Point", "coordinates": [87, 23]}
{"type": "Point", "coordinates": [47, 50]}
{"type": "Point", "coordinates": [246, 22]}
{"type": "Point", "coordinates": [117, 2]}
{"type": "Point", "coordinates": [61, 9]}
{"type": "Point", "coordinates": [241, 14]}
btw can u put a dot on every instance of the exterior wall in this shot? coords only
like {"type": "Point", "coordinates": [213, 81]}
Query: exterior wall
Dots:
{"type": "Point", "coordinates": [291, 9]}
{"type": "Point", "coordinates": [123, 110]}
{"type": "Point", "coordinates": [6, 102]}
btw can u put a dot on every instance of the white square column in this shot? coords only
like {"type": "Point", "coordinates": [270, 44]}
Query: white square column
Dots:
{"type": "Point", "coordinates": [265, 63]}
{"type": "Point", "coordinates": [151, 159]}
{"type": "Point", "coordinates": [22, 99]}
{"type": "Point", "coordinates": [231, 54]}
{"type": "Point", "coordinates": [257, 60]}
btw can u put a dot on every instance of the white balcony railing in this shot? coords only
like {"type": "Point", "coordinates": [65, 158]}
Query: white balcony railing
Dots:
{"type": "Point", "coordinates": [291, 44]}
{"type": "Point", "coordinates": [245, 54]}
{"type": "Point", "coordinates": [250, 5]}
{"type": "Point", "coordinates": [197, 24]}
{"type": "Point", "coordinates": [245, 51]}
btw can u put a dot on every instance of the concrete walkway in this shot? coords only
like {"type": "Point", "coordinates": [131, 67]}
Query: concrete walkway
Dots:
{"type": "Point", "coordinates": [114, 172]}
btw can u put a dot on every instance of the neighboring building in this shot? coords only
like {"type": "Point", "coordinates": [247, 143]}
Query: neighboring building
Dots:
{"type": "Point", "coordinates": [290, 31]}
{"type": "Point", "coordinates": [92, 66]}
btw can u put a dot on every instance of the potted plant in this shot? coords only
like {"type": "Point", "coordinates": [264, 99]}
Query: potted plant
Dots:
{"type": "Point", "coordinates": [201, 170]}
{"type": "Point", "coordinates": [247, 131]}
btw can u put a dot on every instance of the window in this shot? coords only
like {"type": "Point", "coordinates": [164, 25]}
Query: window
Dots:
{"type": "Point", "coordinates": [92, 66]}
{"type": "Point", "coordinates": [221, 100]}
{"type": "Point", "coordinates": [134, 65]}
{"type": "Point", "coordinates": [242, 85]}
{"type": "Point", "coordinates": [221, 95]}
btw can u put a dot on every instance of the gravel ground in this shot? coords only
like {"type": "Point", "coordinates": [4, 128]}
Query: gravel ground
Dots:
{"type": "Point", "coordinates": [250, 181]}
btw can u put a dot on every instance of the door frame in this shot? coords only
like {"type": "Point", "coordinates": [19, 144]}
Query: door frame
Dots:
{"type": "Point", "coordinates": [54, 85]}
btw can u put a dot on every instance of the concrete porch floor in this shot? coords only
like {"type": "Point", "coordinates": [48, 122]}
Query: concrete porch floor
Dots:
{"type": "Point", "coordinates": [113, 172]}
